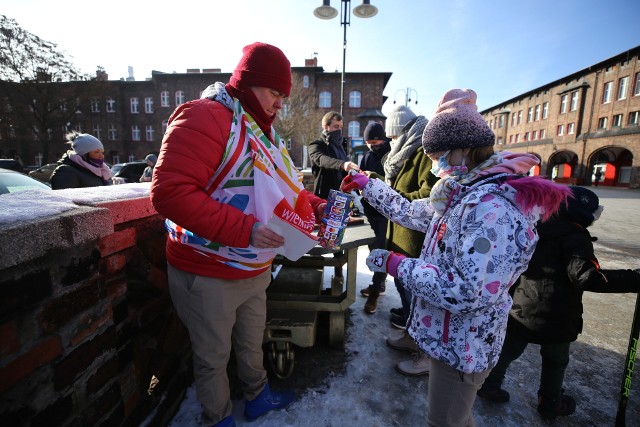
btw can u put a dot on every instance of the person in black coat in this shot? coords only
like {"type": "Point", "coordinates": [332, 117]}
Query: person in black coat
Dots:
{"type": "Point", "coordinates": [547, 301]}
{"type": "Point", "coordinates": [83, 166]}
{"type": "Point", "coordinates": [372, 161]}
{"type": "Point", "coordinates": [329, 161]}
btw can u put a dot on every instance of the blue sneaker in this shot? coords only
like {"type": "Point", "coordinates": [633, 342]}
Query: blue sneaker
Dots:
{"type": "Point", "coordinates": [266, 401]}
{"type": "Point", "coordinates": [225, 422]}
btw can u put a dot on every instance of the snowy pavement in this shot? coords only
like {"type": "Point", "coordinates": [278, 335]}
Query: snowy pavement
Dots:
{"type": "Point", "coordinates": [367, 391]}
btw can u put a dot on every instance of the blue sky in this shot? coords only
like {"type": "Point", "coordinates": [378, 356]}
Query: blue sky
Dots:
{"type": "Point", "coordinates": [499, 48]}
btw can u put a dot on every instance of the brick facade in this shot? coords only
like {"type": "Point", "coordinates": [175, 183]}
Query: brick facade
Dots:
{"type": "Point", "coordinates": [591, 122]}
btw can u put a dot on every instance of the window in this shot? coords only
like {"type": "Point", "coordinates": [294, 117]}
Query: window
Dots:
{"type": "Point", "coordinates": [560, 130]}
{"type": "Point", "coordinates": [542, 133]}
{"type": "Point", "coordinates": [617, 121]}
{"type": "Point", "coordinates": [354, 129]}
{"type": "Point", "coordinates": [520, 117]}
{"type": "Point", "coordinates": [530, 115]}
{"type": "Point", "coordinates": [354, 99]}
{"type": "Point", "coordinates": [112, 133]}
{"type": "Point", "coordinates": [135, 104]}
{"type": "Point", "coordinates": [288, 144]}
{"type": "Point", "coordinates": [602, 123]}
{"type": "Point", "coordinates": [513, 119]}
{"type": "Point", "coordinates": [149, 133]}
{"type": "Point", "coordinates": [526, 136]}
{"type": "Point", "coordinates": [305, 81]}
{"type": "Point", "coordinates": [636, 90]}
{"type": "Point", "coordinates": [95, 105]}
{"type": "Point", "coordinates": [148, 105]}
{"type": "Point", "coordinates": [510, 139]}
{"type": "Point", "coordinates": [164, 126]}
{"type": "Point", "coordinates": [563, 104]}
{"type": "Point", "coordinates": [131, 158]}
{"type": "Point", "coordinates": [571, 128]}
{"type": "Point", "coordinates": [97, 131]}
{"type": "Point", "coordinates": [545, 110]}
{"type": "Point", "coordinates": [517, 138]}
{"type": "Point", "coordinates": [633, 118]}
{"type": "Point", "coordinates": [179, 97]}
{"type": "Point", "coordinates": [164, 99]}
{"type": "Point", "coordinates": [325, 100]}
{"type": "Point", "coordinates": [534, 135]}
{"type": "Point", "coordinates": [501, 121]}
{"type": "Point", "coordinates": [499, 140]}
{"type": "Point", "coordinates": [115, 159]}
{"type": "Point", "coordinates": [111, 105]}
{"type": "Point", "coordinates": [135, 133]}
{"type": "Point", "coordinates": [537, 115]}
{"type": "Point", "coordinates": [622, 87]}
{"type": "Point", "coordinates": [606, 94]}
{"type": "Point", "coordinates": [574, 101]}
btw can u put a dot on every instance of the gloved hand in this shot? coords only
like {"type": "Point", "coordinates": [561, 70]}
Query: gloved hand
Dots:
{"type": "Point", "coordinates": [353, 181]}
{"type": "Point", "coordinates": [319, 211]}
{"type": "Point", "coordinates": [380, 260]}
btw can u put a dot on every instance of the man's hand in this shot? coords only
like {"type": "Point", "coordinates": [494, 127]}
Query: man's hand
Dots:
{"type": "Point", "coordinates": [354, 181]}
{"type": "Point", "coordinates": [348, 166]}
{"type": "Point", "coordinates": [262, 237]}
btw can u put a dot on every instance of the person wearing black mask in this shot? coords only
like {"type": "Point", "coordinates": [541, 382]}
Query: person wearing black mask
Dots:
{"type": "Point", "coordinates": [83, 165]}
{"type": "Point", "coordinates": [329, 161]}
{"type": "Point", "coordinates": [372, 163]}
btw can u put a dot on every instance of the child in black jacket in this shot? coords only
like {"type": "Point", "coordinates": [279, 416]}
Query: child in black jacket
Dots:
{"type": "Point", "coordinates": [547, 301]}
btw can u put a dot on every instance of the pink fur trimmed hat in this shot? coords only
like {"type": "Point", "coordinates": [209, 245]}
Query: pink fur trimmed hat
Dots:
{"type": "Point", "coordinates": [457, 124]}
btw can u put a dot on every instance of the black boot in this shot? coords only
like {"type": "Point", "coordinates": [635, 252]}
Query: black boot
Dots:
{"type": "Point", "coordinates": [551, 408]}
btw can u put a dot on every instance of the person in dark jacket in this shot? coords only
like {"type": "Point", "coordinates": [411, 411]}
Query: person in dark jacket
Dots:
{"type": "Point", "coordinates": [547, 301]}
{"type": "Point", "coordinates": [83, 166]}
{"type": "Point", "coordinates": [151, 160]}
{"type": "Point", "coordinates": [329, 161]}
{"type": "Point", "coordinates": [372, 161]}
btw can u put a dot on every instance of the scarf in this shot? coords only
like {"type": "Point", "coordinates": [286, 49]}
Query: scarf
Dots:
{"type": "Point", "coordinates": [258, 177]}
{"type": "Point", "coordinates": [502, 162]}
{"type": "Point", "coordinates": [101, 171]}
{"type": "Point", "coordinates": [404, 147]}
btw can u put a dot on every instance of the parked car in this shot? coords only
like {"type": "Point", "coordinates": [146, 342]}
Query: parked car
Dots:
{"type": "Point", "coordinates": [11, 164]}
{"type": "Point", "coordinates": [116, 168]}
{"type": "Point", "coordinates": [43, 173]}
{"type": "Point", "coordinates": [12, 182]}
{"type": "Point", "coordinates": [130, 172]}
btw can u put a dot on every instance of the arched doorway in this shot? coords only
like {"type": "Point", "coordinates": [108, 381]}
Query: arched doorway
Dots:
{"type": "Point", "coordinates": [562, 165]}
{"type": "Point", "coordinates": [614, 164]}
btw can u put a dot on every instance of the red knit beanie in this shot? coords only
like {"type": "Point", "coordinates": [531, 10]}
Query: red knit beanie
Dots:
{"type": "Point", "coordinates": [262, 65]}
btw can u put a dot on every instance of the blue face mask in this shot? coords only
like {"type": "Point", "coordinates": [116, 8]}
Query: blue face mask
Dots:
{"type": "Point", "coordinates": [441, 168]}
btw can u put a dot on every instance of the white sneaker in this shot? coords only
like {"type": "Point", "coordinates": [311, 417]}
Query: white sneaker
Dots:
{"type": "Point", "coordinates": [419, 365]}
{"type": "Point", "coordinates": [403, 343]}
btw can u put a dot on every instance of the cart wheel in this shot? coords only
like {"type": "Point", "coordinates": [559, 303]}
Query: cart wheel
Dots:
{"type": "Point", "coordinates": [281, 357]}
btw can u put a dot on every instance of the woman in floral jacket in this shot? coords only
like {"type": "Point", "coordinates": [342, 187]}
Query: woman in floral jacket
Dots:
{"type": "Point", "coordinates": [480, 234]}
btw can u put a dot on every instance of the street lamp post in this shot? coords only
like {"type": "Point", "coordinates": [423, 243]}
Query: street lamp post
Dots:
{"type": "Point", "coordinates": [326, 11]}
{"type": "Point", "coordinates": [407, 95]}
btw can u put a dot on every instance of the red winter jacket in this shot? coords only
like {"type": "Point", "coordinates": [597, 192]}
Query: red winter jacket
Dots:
{"type": "Point", "coordinates": [191, 152]}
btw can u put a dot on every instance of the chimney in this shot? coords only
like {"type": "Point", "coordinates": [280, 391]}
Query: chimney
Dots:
{"type": "Point", "coordinates": [313, 62]}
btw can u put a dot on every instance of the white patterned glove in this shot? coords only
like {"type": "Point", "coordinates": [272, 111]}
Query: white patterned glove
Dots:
{"type": "Point", "coordinates": [380, 260]}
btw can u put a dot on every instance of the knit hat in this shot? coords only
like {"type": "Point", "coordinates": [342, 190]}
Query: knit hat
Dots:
{"type": "Point", "coordinates": [152, 158]}
{"type": "Point", "coordinates": [457, 124]}
{"type": "Point", "coordinates": [374, 131]}
{"type": "Point", "coordinates": [581, 206]}
{"type": "Point", "coordinates": [82, 143]}
{"type": "Point", "coordinates": [399, 117]}
{"type": "Point", "coordinates": [263, 65]}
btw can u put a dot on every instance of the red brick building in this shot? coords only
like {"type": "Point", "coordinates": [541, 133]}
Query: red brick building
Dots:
{"type": "Point", "coordinates": [586, 121]}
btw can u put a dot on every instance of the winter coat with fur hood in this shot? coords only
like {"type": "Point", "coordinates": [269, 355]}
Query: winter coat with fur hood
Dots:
{"type": "Point", "coordinates": [474, 250]}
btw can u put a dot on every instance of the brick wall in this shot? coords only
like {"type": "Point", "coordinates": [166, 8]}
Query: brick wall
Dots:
{"type": "Point", "coordinates": [86, 320]}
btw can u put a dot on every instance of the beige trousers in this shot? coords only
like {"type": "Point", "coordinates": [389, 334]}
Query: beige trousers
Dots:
{"type": "Point", "coordinates": [218, 313]}
{"type": "Point", "coordinates": [451, 395]}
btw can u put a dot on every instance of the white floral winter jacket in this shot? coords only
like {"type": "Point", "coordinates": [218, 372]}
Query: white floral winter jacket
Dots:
{"type": "Point", "coordinates": [460, 282]}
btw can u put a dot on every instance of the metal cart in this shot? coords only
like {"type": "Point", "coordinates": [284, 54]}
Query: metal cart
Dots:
{"type": "Point", "coordinates": [295, 297]}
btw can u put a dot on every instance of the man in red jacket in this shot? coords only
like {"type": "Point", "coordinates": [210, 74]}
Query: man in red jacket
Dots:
{"type": "Point", "coordinates": [222, 173]}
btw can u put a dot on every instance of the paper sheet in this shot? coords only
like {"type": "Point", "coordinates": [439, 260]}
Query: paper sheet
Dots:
{"type": "Point", "coordinates": [296, 242]}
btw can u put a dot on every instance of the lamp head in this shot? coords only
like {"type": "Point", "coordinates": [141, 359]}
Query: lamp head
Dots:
{"type": "Point", "coordinates": [365, 10]}
{"type": "Point", "coordinates": [325, 11]}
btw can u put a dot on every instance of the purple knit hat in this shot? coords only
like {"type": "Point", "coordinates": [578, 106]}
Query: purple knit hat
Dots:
{"type": "Point", "coordinates": [457, 124]}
